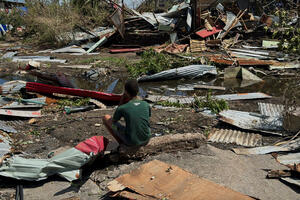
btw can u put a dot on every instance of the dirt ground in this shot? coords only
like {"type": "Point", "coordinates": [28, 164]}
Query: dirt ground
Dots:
{"type": "Point", "coordinates": [216, 162]}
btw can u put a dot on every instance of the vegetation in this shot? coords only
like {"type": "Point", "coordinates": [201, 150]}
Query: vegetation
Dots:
{"type": "Point", "coordinates": [288, 35]}
{"type": "Point", "coordinates": [153, 62]}
{"type": "Point", "coordinates": [53, 23]}
{"type": "Point", "coordinates": [215, 105]}
{"type": "Point", "coordinates": [70, 102]}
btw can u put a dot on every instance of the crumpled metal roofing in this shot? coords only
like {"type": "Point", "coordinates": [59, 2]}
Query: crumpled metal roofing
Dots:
{"type": "Point", "coordinates": [4, 144]}
{"type": "Point", "coordinates": [12, 87]}
{"type": "Point", "coordinates": [271, 110]}
{"type": "Point", "coordinates": [191, 71]}
{"type": "Point", "coordinates": [290, 146]}
{"type": "Point", "coordinates": [7, 128]}
{"type": "Point", "coordinates": [236, 137]}
{"type": "Point", "coordinates": [289, 159]}
{"type": "Point", "coordinates": [252, 121]}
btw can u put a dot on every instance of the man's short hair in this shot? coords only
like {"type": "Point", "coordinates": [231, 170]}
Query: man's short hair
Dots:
{"type": "Point", "coordinates": [132, 87]}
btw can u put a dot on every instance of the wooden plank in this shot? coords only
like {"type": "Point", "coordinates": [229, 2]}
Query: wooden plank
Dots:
{"type": "Point", "coordinates": [20, 113]}
{"type": "Point", "coordinates": [160, 180]}
{"type": "Point", "coordinates": [209, 87]}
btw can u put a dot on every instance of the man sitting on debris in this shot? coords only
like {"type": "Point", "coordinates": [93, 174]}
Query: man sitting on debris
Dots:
{"type": "Point", "coordinates": [136, 114]}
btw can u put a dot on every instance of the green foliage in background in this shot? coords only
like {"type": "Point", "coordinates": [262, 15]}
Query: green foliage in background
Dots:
{"type": "Point", "coordinates": [288, 35]}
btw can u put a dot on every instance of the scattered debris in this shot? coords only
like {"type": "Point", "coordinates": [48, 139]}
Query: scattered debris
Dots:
{"type": "Point", "coordinates": [157, 180]}
{"type": "Point", "coordinates": [67, 164]}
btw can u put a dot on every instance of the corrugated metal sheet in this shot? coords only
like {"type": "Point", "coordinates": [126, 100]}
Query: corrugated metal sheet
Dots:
{"type": "Point", "coordinates": [174, 99]}
{"type": "Point", "coordinates": [191, 71]}
{"type": "Point", "coordinates": [243, 96]}
{"type": "Point", "coordinates": [9, 54]}
{"type": "Point", "coordinates": [252, 121]}
{"type": "Point", "coordinates": [291, 146]}
{"type": "Point", "coordinates": [37, 58]}
{"type": "Point", "coordinates": [289, 159]}
{"type": "Point", "coordinates": [7, 128]}
{"type": "Point", "coordinates": [20, 113]}
{"type": "Point", "coordinates": [235, 137]}
{"type": "Point", "coordinates": [12, 87]}
{"type": "Point", "coordinates": [25, 104]}
{"type": "Point", "coordinates": [271, 110]}
{"type": "Point", "coordinates": [4, 144]}
{"type": "Point", "coordinates": [228, 97]}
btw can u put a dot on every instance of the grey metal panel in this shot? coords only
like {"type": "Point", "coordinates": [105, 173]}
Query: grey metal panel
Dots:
{"type": "Point", "coordinates": [294, 181]}
{"type": "Point", "coordinates": [15, 1]}
{"type": "Point", "coordinates": [12, 87]}
{"type": "Point", "coordinates": [291, 146]}
{"type": "Point", "coordinates": [9, 54]}
{"type": "Point", "coordinates": [70, 49]}
{"type": "Point", "coordinates": [228, 97]}
{"type": "Point", "coordinates": [271, 110]}
{"type": "Point", "coordinates": [37, 58]}
{"type": "Point", "coordinates": [252, 121]}
{"type": "Point", "coordinates": [191, 71]}
{"type": "Point", "coordinates": [4, 144]}
{"type": "Point", "coordinates": [236, 137]}
{"type": "Point", "coordinates": [7, 128]}
{"type": "Point", "coordinates": [289, 159]}
{"type": "Point", "coordinates": [243, 96]}
{"type": "Point", "coordinates": [26, 105]}
{"type": "Point", "coordinates": [173, 99]}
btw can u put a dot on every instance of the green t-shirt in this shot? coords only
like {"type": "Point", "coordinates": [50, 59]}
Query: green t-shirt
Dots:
{"type": "Point", "coordinates": [136, 114]}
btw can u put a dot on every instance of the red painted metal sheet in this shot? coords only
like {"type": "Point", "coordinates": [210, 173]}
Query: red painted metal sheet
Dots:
{"type": "Point", "coordinates": [206, 33]}
{"type": "Point", "coordinates": [124, 50]}
{"type": "Point", "coordinates": [95, 144]}
{"type": "Point", "coordinates": [49, 89]}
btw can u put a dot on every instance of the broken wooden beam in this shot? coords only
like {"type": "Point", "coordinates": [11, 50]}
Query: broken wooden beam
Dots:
{"type": "Point", "coordinates": [166, 143]}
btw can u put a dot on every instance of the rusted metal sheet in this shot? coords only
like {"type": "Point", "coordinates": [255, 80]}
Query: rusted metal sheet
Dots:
{"type": "Point", "coordinates": [252, 121]}
{"type": "Point", "coordinates": [290, 146]}
{"type": "Point", "coordinates": [159, 180]}
{"type": "Point", "coordinates": [271, 110]}
{"type": "Point", "coordinates": [235, 137]}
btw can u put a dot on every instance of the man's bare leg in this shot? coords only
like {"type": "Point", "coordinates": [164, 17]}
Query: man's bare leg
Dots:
{"type": "Point", "coordinates": [107, 121]}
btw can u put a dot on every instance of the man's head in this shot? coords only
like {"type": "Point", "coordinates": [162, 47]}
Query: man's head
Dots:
{"type": "Point", "coordinates": [132, 87]}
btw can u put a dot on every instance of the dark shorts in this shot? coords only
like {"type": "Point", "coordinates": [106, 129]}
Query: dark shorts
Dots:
{"type": "Point", "coordinates": [119, 131]}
